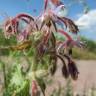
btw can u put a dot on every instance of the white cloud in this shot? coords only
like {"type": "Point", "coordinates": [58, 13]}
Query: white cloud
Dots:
{"type": "Point", "coordinates": [87, 24]}
{"type": "Point", "coordinates": [87, 20]}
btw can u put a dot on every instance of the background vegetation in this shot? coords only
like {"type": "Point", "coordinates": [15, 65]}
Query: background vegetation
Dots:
{"type": "Point", "coordinates": [89, 52]}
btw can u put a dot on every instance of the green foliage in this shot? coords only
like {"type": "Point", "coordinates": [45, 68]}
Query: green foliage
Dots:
{"type": "Point", "coordinates": [83, 54]}
{"type": "Point", "coordinates": [17, 85]}
{"type": "Point", "coordinates": [89, 52]}
{"type": "Point", "coordinates": [90, 45]}
{"type": "Point", "coordinates": [5, 42]}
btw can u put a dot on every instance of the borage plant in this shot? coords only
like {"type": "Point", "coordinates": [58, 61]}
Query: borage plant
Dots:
{"type": "Point", "coordinates": [39, 36]}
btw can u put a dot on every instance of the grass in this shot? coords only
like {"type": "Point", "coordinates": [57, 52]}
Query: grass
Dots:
{"type": "Point", "coordinates": [83, 54]}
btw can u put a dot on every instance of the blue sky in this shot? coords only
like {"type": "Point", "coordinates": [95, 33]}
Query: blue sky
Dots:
{"type": "Point", "coordinates": [13, 7]}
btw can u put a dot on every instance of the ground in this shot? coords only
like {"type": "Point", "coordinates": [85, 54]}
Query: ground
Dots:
{"type": "Point", "coordinates": [86, 80]}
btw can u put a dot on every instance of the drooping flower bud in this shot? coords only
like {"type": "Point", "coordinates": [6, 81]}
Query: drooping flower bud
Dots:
{"type": "Point", "coordinates": [73, 70]}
